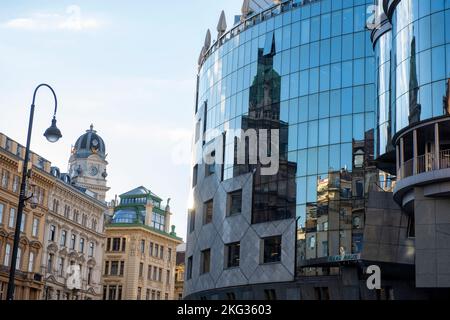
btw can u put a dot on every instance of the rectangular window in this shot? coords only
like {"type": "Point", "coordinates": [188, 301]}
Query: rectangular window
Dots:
{"type": "Point", "coordinates": [194, 176]}
{"type": "Point", "coordinates": [35, 229]}
{"type": "Point", "coordinates": [119, 293]}
{"type": "Point", "coordinates": [155, 273]}
{"type": "Point", "coordinates": [189, 268]}
{"type": "Point", "coordinates": [73, 242]}
{"type": "Point", "coordinates": [167, 277]}
{"type": "Point", "coordinates": [158, 221]}
{"type": "Point", "coordinates": [91, 249]}
{"type": "Point", "coordinates": [192, 221]}
{"type": "Point", "coordinates": [272, 249]}
{"type": "Point", "coordinates": [169, 254]}
{"type": "Point", "coordinates": [23, 222]}
{"type": "Point", "coordinates": [50, 263]}
{"type": "Point", "coordinates": [108, 244]}
{"type": "Point", "coordinates": [52, 233]}
{"type": "Point", "coordinates": [208, 212]}
{"type": "Point", "coordinates": [156, 250]}
{"type": "Point", "coordinates": [116, 244]}
{"type": "Point", "coordinates": [31, 262]}
{"type": "Point", "coordinates": [81, 248]}
{"type": "Point", "coordinates": [5, 179]}
{"type": "Point", "coordinates": [63, 240]}
{"type": "Point", "coordinates": [142, 246]}
{"type": "Point", "coordinates": [149, 272]}
{"type": "Point", "coordinates": [106, 268]}
{"type": "Point", "coordinates": [141, 270]}
{"type": "Point", "coordinates": [233, 252]}
{"type": "Point", "coordinates": [124, 244]}
{"type": "Point", "coordinates": [12, 218]}
{"type": "Point", "coordinates": [2, 208]}
{"type": "Point", "coordinates": [61, 267]}
{"type": "Point", "coordinates": [89, 277]}
{"type": "Point", "coordinates": [15, 186]}
{"type": "Point", "coordinates": [114, 268]}
{"type": "Point", "coordinates": [206, 261]}
{"type": "Point", "coordinates": [160, 272]}
{"type": "Point", "coordinates": [161, 252]}
{"type": "Point", "coordinates": [7, 255]}
{"type": "Point", "coordinates": [150, 251]}
{"type": "Point", "coordinates": [112, 292]}
{"type": "Point", "coordinates": [235, 203]}
{"type": "Point", "coordinates": [122, 268]}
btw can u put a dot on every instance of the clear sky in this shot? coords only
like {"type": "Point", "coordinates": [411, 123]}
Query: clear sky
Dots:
{"type": "Point", "coordinates": [128, 67]}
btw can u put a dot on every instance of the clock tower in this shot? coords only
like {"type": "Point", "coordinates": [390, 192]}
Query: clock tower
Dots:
{"type": "Point", "coordinates": [87, 164]}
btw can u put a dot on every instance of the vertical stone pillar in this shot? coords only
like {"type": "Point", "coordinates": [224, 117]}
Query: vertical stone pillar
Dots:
{"type": "Point", "coordinates": [415, 153]}
{"type": "Point", "coordinates": [437, 148]}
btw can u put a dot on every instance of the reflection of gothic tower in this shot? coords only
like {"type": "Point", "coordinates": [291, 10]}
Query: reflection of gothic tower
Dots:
{"type": "Point", "coordinates": [414, 107]}
{"type": "Point", "coordinates": [87, 164]}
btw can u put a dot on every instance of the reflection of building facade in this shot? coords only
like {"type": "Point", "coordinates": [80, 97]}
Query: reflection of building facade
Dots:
{"type": "Point", "coordinates": [29, 281]}
{"type": "Point", "coordinates": [140, 253]}
{"type": "Point", "coordinates": [74, 232]}
{"type": "Point", "coordinates": [308, 67]}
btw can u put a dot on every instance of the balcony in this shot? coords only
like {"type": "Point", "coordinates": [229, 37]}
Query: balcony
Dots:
{"type": "Point", "coordinates": [423, 160]}
{"type": "Point", "coordinates": [425, 163]}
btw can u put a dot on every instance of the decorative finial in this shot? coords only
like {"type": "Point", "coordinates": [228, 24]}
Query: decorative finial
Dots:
{"type": "Point", "coordinates": [222, 26]}
{"type": "Point", "coordinates": [92, 127]}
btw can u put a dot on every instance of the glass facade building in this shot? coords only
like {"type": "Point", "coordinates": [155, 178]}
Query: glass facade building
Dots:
{"type": "Point", "coordinates": [315, 72]}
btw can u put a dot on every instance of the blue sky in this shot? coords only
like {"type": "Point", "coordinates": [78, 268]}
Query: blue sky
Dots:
{"type": "Point", "coordinates": [128, 67]}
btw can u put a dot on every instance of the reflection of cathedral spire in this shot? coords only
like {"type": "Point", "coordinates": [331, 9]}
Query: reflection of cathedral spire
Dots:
{"type": "Point", "coordinates": [265, 90]}
{"type": "Point", "coordinates": [414, 107]}
{"type": "Point", "coordinates": [278, 201]}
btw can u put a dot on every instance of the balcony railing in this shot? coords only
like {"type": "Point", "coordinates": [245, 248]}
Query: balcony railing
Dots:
{"type": "Point", "coordinates": [425, 163]}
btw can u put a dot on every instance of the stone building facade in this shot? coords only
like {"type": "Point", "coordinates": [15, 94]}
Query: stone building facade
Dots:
{"type": "Point", "coordinates": [140, 251]}
{"type": "Point", "coordinates": [29, 280]}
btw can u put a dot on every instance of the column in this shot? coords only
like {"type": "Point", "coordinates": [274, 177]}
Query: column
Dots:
{"type": "Point", "coordinates": [397, 159]}
{"type": "Point", "coordinates": [415, 155]}
{"type": "Point", "coordinates": [402, 158]}
{"type": "Point", "coordinates": [437, 148]}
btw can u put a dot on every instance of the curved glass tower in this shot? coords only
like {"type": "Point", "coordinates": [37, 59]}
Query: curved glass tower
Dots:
{"type": "Point", "coordinates": [420, 108]}
{"type": "Point", "coordinates": [302, 76]}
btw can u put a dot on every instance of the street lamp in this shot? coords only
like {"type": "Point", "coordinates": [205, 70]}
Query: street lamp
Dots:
{"type": "Point", "coordinates": [52, 134]}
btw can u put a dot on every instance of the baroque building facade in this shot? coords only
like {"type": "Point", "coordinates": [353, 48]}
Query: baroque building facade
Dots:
{"type": "Point", "coordinates": [74, 229]}
{"type": "Point", "coordinates": [140, 251]}
{"type": "Point", "coordinates": [61, 248]}
{"type": "Point", "coordinates": [29, 280]}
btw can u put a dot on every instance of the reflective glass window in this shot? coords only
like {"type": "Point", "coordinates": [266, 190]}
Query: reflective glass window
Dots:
{"type": "Point", "coordinates": [313, 133]}
{"type": "Point", "coordinates": [437, 34]}
{"type": "Point", "coordinates": [335, 130]}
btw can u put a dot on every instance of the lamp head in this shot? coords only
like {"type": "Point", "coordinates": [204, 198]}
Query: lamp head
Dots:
{"type": "Point", "coordinates": [53, 134]}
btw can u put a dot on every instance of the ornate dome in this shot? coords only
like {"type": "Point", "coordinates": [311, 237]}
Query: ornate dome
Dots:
{"type": "Point", "coordinates": [88, 144]}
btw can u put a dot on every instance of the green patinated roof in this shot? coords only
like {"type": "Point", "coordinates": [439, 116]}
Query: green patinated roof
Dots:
{"type": "Point", "coordinates": [140, 192]}
{"type": "Point", "coordinates": [138, 225]}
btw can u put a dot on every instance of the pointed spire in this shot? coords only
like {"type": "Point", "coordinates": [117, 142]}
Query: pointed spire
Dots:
{"type": "Point", "coordinates": [246, 8]}
{"type": "Point", "coordinates": [222, 26]}
{"type": "Point", "coordinates": [207, 40]}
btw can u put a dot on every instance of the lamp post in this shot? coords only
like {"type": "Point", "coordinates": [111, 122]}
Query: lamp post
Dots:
{"type": "Point", "coordinates": [52, 134]}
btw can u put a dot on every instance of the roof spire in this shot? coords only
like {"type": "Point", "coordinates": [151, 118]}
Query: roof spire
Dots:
{"type": "Point", "coordinates": [222, 26]}
{"type": "Point", "coordinates": [92, 127]}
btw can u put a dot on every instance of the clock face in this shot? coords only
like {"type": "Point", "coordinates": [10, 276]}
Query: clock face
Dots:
{"type": "Point", "coordinates": [93, 171]}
